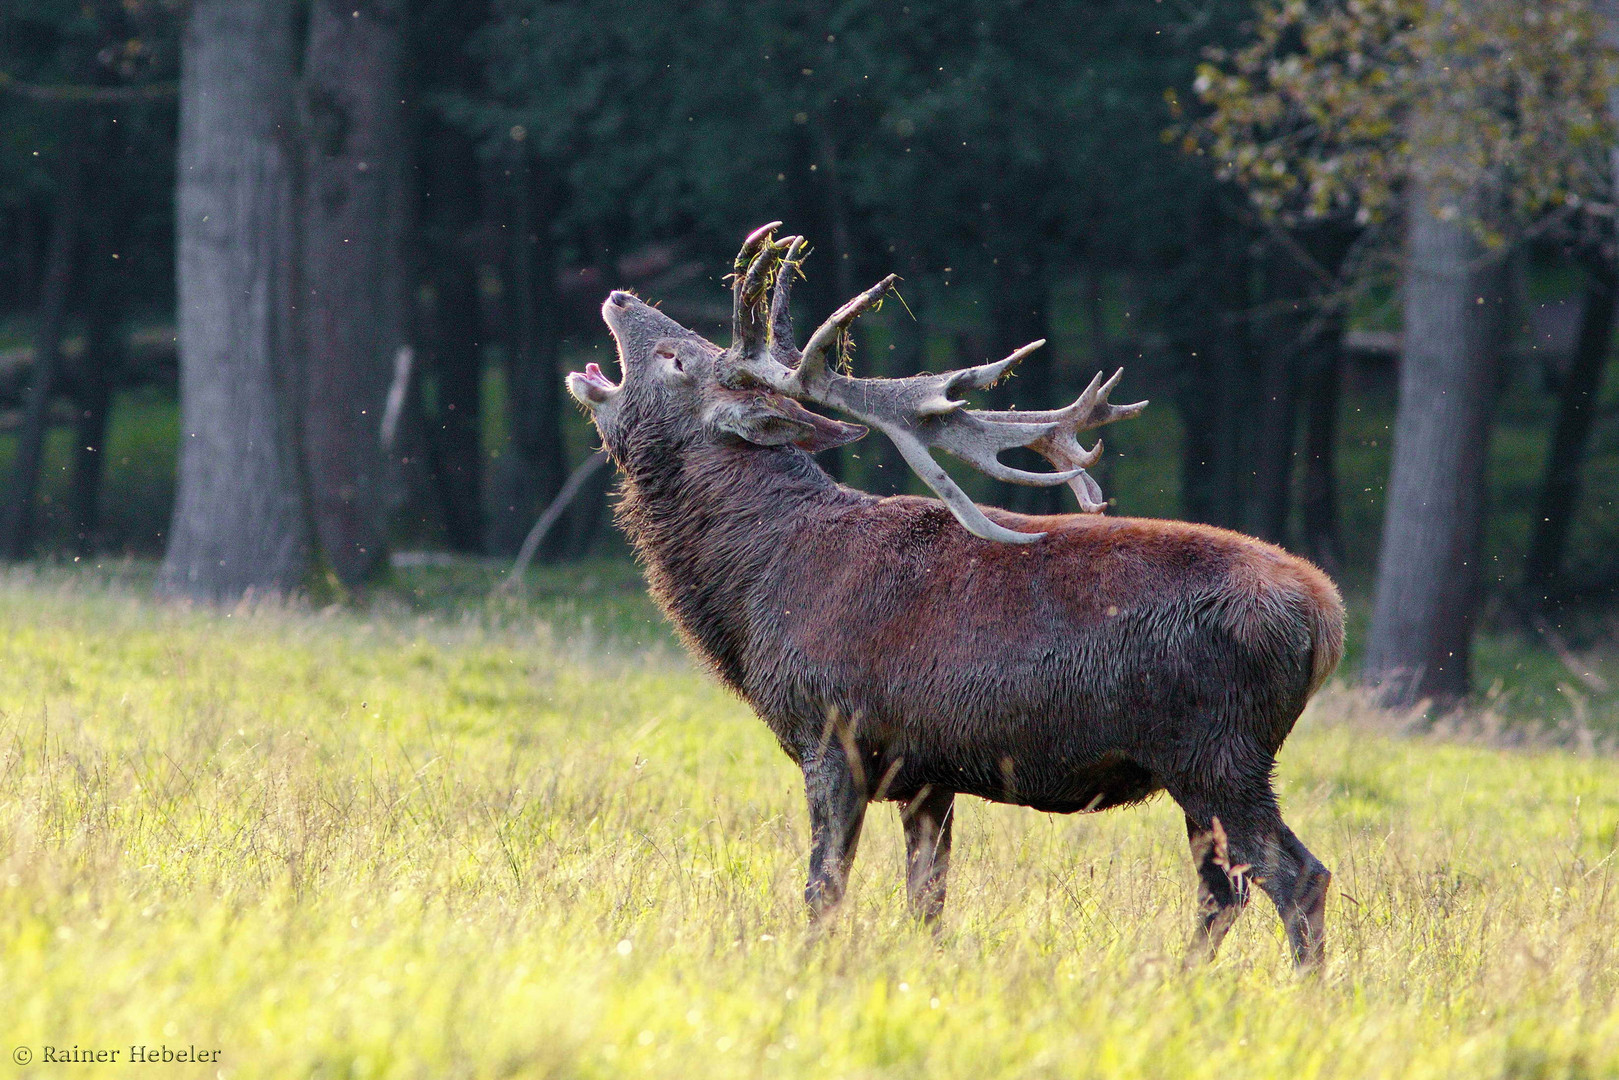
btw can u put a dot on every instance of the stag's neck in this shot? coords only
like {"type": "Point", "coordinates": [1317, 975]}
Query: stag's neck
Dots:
{"type": "Point", "coordinates": [709, 522]}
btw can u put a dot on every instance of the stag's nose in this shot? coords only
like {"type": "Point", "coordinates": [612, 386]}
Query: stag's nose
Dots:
{"type": "Point", "coordinates": [619, 298]}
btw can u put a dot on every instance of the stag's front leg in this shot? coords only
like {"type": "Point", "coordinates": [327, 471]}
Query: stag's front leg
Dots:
{"type": "Point", "coordinates": [837, 808]}
{"type": "Point", "coordinates": [1298, 886]}
{"type": "Point", "coordinates": [927, 819]}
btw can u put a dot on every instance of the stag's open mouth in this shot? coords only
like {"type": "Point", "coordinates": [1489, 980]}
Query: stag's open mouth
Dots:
{"type": "Point", "coordinates": [593, 375]}
{"type": "Point", "coordinates": [591, 387]}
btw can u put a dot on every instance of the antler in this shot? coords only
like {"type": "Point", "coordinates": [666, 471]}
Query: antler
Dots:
{"type": "Point", "coordinates": [918, 413]}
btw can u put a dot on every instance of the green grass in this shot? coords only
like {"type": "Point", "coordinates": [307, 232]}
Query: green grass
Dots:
{"type": "Point", "coordinates": [511, 837]}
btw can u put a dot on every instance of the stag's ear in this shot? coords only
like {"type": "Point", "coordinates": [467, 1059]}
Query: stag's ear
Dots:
{"type": "Point", "coordinates": [773, 420]}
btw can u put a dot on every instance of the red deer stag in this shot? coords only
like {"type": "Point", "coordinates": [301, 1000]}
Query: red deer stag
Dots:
{"type": "Point", "coordinates": [911, 650]}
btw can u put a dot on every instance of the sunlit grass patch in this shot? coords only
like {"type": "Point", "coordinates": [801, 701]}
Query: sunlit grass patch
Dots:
{"type": "Point", "coordinates": [405, 843]}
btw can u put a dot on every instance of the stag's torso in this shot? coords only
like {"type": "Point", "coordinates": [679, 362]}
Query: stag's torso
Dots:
{"type": "Point", "coordinates": [1073, 673]}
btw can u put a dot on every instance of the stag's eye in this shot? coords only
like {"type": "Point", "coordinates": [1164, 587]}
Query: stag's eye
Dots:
{"type": "Point", "coordinates": [671, 354]}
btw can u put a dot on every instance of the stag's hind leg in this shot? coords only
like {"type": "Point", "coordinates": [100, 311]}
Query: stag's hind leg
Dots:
{"type": "Point", "coordinates": [1239, 838]}
{"type": "Point", "coordinates": [1298, 886]}
{"type": "Point", "coordinates": [927, 819]}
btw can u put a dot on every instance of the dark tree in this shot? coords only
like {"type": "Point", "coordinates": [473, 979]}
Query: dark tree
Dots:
{"type": "Point", "coordinates": [1577, 396]}
{"type": "Point", "coordinates": [1284, 325]}
{"type": "Point", "coordinates": [449, 221]}
{"type": "Point", "coordinates": [1298, 332]}
{"type": "Point", "coordinates": [1319, 521]}
{"type": "Point", "coordinates": [17, 521]}
{"type": "Point", "coordinates": [100, 365]}
{"type": "Point", "coordinates": [351, 290]}
{"type": "Point", "coordinates": [534, 469]}
{"type": "Point", "coordinates": [1580, 387]}
{"type": "Point", "coordinates": [1211, 338]}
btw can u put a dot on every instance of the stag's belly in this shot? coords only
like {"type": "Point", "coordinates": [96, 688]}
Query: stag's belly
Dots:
{"type": "Point", "coordinates": [1073, 787]}
{"type": "Point", "coordinates": [1094, 718]}
{"type": "Point", "coordinates": [1056, 744]}
{"type": "Point", "coordinates": [1058, 731]}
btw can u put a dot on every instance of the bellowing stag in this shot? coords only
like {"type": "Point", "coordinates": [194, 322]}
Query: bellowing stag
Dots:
{"type": "Point", "coordinates": [910, 650]}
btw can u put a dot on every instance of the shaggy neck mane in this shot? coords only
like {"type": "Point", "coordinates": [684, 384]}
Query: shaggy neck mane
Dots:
{"type": "Point", "coordinates": [708, 521]}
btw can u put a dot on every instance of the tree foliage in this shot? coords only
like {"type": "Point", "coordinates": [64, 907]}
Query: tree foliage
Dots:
{"type": "Point", "coordinates": [54, 56]}
{"type": "Point", "coordinates": [947, 125]}
{"type": "Point", "coordinates": [1330, 107]}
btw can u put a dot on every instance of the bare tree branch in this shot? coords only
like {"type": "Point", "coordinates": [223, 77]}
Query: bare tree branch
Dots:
{"type": "Point", "coordinates": [78, 94]}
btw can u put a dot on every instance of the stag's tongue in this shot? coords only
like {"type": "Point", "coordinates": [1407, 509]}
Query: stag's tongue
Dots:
{"type": "Point", "coordinates": [593, 375]}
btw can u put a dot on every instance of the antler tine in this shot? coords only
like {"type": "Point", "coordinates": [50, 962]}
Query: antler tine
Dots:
{"type": "Point", "coordinates": [1105, 412]}
{"type": "Point", "coordinates": [1090, 410]}
{"type": "Point", "coordinates": [781, 316]}
{"type": "Point", "coordinates": [750, 275]}
{"type": "Point", "coordinates": [751, 245]}
{"type": "Point", "coordinates": [1060, 445]}
{"type": "Point", "coordinates": [987, 375]}
{"type": "Point", "coordinates": [979, 443]}
{"type": "Point", "coordinates": [974, 520]}
{"type": "Point", "coordinates": [812, 367]}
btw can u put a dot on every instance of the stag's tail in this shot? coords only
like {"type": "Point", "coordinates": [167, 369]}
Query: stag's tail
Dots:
{"type": "Point", "coordinates": [1326, 624]}
{"type": "Point", "coordinates": [1284, 609]}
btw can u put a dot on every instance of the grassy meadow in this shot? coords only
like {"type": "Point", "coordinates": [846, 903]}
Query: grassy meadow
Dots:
{"type": "Point", "coordinates": [523, 836]}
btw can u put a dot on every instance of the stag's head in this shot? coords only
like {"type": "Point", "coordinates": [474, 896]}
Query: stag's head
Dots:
{"type": "Point", "coordinates": [679, 390]}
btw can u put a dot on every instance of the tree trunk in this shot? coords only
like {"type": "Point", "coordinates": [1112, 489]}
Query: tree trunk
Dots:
{"type": "Point", "coordinates": [90, 445]}
{"type": "Point", "coordinates": [1576, 410]}
{"type": "Point", "coordinates": [448, 219]}
{"type": "Point", "coordinates": [239, 521]}
{"type": "Point", "coordinates": [455, 437]}
{"type": "Point", "coordinates": [17, 524]}
{"type": "Point", "coordinates": [1318, 505]}
{"type": "Point", "coordinates": [106, 291]}
{"type": "Point", "coordinates": [1214, 394]}
{"type": "Point", "coordinates": [1276, 415]}
{"type": "Point", "coordinates": [353, 272]}
{"type": "Point", "coordinates": [93, 382]}
{"type": "Point", "coordinates": [534, 469]}
{"type": "Point", "coordinates": [1428, 572]}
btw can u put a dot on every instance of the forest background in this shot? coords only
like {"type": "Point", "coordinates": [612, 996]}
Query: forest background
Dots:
{"type": "Point", "coordinates": [1359, 253]}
